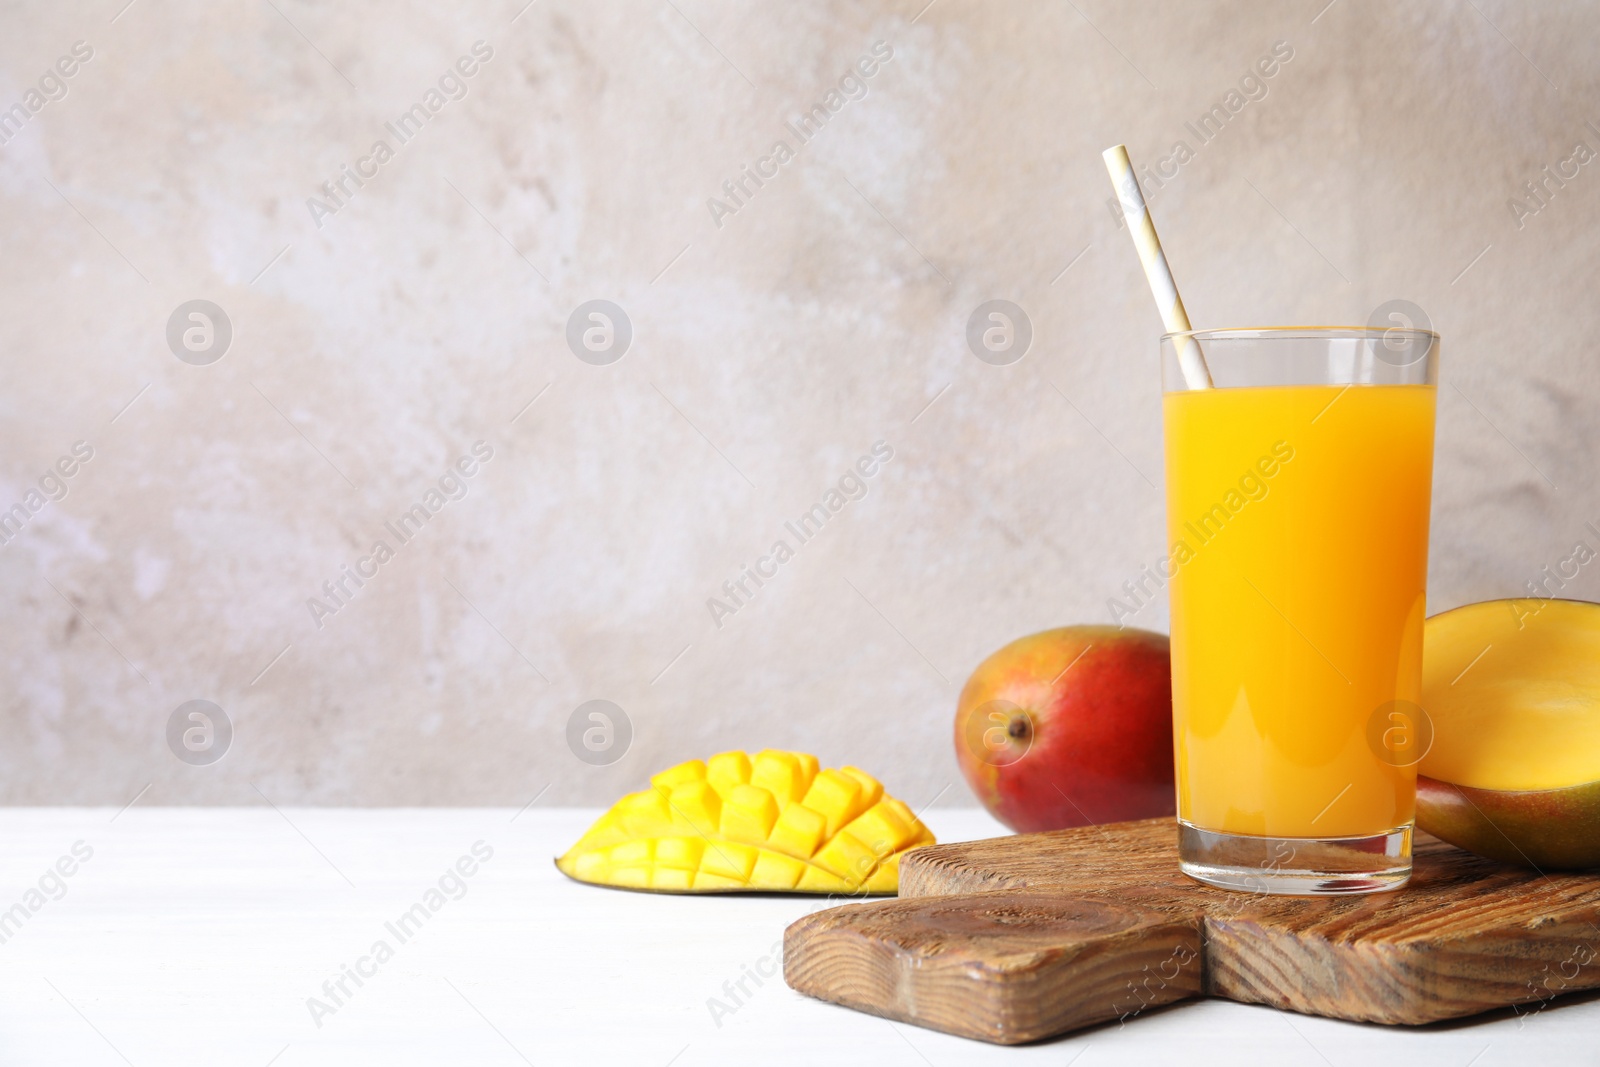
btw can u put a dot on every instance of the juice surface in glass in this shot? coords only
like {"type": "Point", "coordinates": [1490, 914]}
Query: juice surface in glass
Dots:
{"type": "Point", "coordinates": [1297, 518]}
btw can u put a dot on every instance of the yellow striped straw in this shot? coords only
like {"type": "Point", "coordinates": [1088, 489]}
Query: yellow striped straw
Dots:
{"type": "Point", "coordinates": [1190, 360]}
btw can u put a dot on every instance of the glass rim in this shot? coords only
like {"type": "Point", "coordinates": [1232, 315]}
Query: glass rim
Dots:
{"type": "Point", "coordinates": [1251, 333]}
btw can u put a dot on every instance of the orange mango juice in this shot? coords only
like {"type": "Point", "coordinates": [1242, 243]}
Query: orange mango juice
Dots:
{"type": "Point", "coordinates": [1298, 523]}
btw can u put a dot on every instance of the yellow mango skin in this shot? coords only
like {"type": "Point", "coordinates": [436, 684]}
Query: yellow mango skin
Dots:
{"type": "Point", "coordinates": [762, 823]}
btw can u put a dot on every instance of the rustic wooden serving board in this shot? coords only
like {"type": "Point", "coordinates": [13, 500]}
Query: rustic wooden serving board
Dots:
{"type": "Point", "coordinates": [1019, 938]}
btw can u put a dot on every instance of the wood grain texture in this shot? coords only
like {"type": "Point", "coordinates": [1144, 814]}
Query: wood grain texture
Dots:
{"type": "Point", "coordinates": [1465, 936]}
{"type": "Point", "coordinates": [1005, 967]}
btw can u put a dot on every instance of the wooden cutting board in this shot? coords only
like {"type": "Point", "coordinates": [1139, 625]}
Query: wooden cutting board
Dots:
{"type": "Point", "coordinates": [1019, 938]}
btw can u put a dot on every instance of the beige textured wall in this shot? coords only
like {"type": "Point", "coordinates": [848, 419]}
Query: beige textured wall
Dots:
{"type": "Point", "coordinates": [768, 353]}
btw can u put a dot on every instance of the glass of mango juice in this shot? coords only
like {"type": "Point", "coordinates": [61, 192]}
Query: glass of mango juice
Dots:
{"type": "Point", "coordinates": [1298, 482]}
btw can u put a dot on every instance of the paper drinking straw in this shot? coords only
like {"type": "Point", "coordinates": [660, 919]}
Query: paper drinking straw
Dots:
{"type": "Point", "coordinates": [1190, 360]}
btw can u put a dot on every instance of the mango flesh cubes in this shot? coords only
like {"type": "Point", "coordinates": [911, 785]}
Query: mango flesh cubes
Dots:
{"type": "Point", "coordinates": [769, 823]}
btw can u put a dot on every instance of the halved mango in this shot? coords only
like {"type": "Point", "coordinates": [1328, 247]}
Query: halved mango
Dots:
{"type": "Point", "coordinates": [736, 823]}
{"type": "Point", "coordinates": [1513, 691]}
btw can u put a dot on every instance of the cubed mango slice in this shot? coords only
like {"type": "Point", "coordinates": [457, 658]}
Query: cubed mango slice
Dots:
{"type": "Point", "coordinates": [799, 831]}
{"type": "Point", "coordinates": [748, 814]}
{"type": "Point", "coordinates": [728, 769]}
{"type": "Point", "coordinates": [697, 806]}
{"type": "Point", "coordinates": [692, 771]}
{"type": "Point", "coordinates": [837, 796]}
{"type": "Point", "coordinates": [771, 822]}
{"type": "Point", "coordinates": [780, 774]}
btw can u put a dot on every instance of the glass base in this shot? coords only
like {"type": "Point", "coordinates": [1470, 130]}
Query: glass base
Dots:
{"type": "Point", "coordinates": [1296, 866]}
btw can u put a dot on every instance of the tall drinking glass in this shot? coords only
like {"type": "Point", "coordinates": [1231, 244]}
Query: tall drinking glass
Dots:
{"type": "Point", "coordinates": [1297, 516]}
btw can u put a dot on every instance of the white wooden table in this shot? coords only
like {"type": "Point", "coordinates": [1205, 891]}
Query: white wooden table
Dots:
{"type": "Point", "coordinates": [197, 936]}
